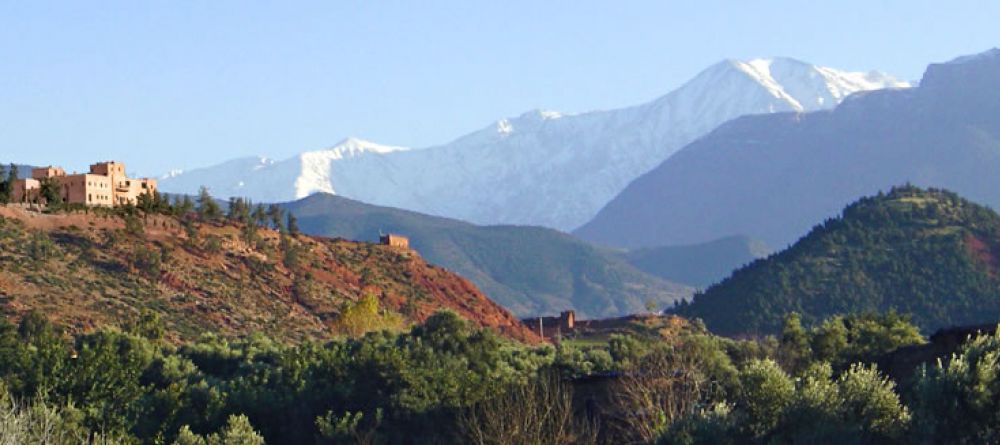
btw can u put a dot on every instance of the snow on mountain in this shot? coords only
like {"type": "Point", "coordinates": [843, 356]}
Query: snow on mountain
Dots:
{"type": "Point", "coordinates": [773, 177]}
{"type": "Point", "coordinates": [316, 165]}
{"type": "Point", "coordinates": [542, 167]}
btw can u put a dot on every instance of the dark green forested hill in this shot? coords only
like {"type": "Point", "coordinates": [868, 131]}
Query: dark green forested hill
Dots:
{"type": "Point", "coordinates": [928, 253]}
{"type": "Point", "coordinates": [528, 270]}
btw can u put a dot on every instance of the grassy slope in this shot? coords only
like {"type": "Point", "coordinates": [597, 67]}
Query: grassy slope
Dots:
{"type": "Point", "coordinates": [927, 253]}
{"type": "Point", "coordinates": [529, 270]}
{"type": "Point", "coordinates": [90, 278]}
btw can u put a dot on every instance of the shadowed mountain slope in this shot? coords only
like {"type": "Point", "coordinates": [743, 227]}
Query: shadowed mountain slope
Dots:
{"type": "Point", "coordinates": [529, 270]}
{"type": "Point", "coordinates": [771, 177]}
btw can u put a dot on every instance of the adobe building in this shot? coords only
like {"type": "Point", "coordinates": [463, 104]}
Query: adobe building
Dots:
{"type": "Point", "coordinates": [551, 327]}
{"type": "Point", "coordinates": [394, 240]}
{"type": "Point", "coordinates": [106, 185]}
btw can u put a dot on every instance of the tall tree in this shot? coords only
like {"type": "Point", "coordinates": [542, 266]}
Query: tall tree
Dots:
{"type": "Point", "coordinates": [208, 209]}
{"type": "Point", "coordinates": [275, 213]}
{"type": "Point", "coordinates": [183, 205]}
{"type": "Point", "coordinates": [5, 186]}
{"type": "Point", "coordinates": [146, 202]}
{"type": "Point", "coordinates": [49, 189]}
{"type": "Point", "coordinates": [260, 215]}
{"type": "Point", "coordinates": [11, 179]}
{"type": "Point", "coordinates": [293, 224]}
{"type": "Point", "coordinates": [238, 209]}
{"type": "Point", "coordinates": [794, 352]}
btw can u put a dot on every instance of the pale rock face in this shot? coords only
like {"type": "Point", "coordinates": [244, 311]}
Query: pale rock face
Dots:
{"type": "Point", "coordinates": [542, 167]}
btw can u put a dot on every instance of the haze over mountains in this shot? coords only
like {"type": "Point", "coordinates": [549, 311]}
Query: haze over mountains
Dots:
{"type": "Point", "coordinates": [543, 167]}
{"type": "Point", "coordinates": [772, 177]}
{"type": "Point", "coordinates": [698, 265]}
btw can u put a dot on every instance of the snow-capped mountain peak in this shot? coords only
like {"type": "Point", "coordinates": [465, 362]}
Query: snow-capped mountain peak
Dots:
{"type": "Point", "coordinates": [760, 71]}
{"type": "Point", "coordinates": [352, 146]}
{"type": "Point", "coordinates": [807, 87]}
{"type": "Point", "coordinates": [544, 167]}
{"type": "Point", "coordinates": [315, 174]}
{"type": "Point", "coordinates": [527, 121]}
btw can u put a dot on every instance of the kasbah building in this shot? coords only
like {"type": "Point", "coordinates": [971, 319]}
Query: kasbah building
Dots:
{"type": "Point", "coordinates": [106, 185]}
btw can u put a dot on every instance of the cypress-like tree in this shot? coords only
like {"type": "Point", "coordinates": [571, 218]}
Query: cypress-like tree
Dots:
{"type": "Point", "coordinates": [275, 213]}
{"type": "Point", "coordinates": [208, 209]}
{"type": "Point", "coordinates": [293, 224]}
{"type": "Point", "coordinates": [5, 187]}
{"type": "Point", "coordinates": [260, 215]}
{"type": "Point", "coordinates": [11, 178]}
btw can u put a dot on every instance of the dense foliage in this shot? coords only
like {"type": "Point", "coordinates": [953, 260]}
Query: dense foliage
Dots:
{"type": "Point", "coordinates": [446, 382]}
{"type": "Point", "coordinates": [398, 386]}
{"type": "Point", "coordinates": [958, 401]}
{"type": "Point", "coordinates": [927, 253]}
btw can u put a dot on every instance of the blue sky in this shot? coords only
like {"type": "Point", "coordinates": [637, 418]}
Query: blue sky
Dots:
{"type": "Point", "coordinates": [176, 84]}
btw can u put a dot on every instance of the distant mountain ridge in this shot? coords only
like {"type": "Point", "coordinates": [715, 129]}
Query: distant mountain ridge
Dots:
{"type": "Point", "coordinates": [927, 253]}
{"type": "Point", "coordinates": [698, 265]}
{"type": "Point", "coordinates": [771, 177]}
{"type": "Point", "coordinates": [528, 270]}
{"type": "Point", "coordinates": [543, 167]}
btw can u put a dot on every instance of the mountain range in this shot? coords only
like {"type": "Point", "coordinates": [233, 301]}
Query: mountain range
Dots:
{"type": "Point", "coordinates": [698, 265]}
{"type": "Point", "coordinates": [771, 177]}
{"type": "Point", "coordinates": [543, 167]}
{"type": "Point", "coordinates": [528, 270]}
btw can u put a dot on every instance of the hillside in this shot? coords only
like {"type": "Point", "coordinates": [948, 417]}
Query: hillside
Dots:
{"type": "Point", "coordinates": [698, 265]}
{"type": "Point", "coordinates": [526, 170]}
{"type": "Point", "coordinates": [771, 177]}
{"type": "Point", "coordinates": [927, 253]}
{"type": "Point", "coordinates": [88, 270]}
{"type": "Point", "coordinates": [528, 270]}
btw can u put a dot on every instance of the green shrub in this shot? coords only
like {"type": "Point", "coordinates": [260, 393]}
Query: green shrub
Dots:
{"type": "Point", "coordinates": [958, 400]}
{"type": "Point", "coordinates": [40, 246]}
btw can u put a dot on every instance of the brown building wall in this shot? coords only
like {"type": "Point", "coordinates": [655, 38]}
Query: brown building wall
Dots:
{"type": "Point", "coordinates": [124, 190]}
{"type": "Point", "coordinates": [87, 189]}
{"type": "Point", "coordinates": [105, 185]}
{"type": "Point", "coordinates": [395, 241]}
{"type": "Point", "coordinates": [110, 168]}
{"type": "Point", "coordinates": [47, 172]}
{"type": "Point", "coordinates": [22, 187]}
